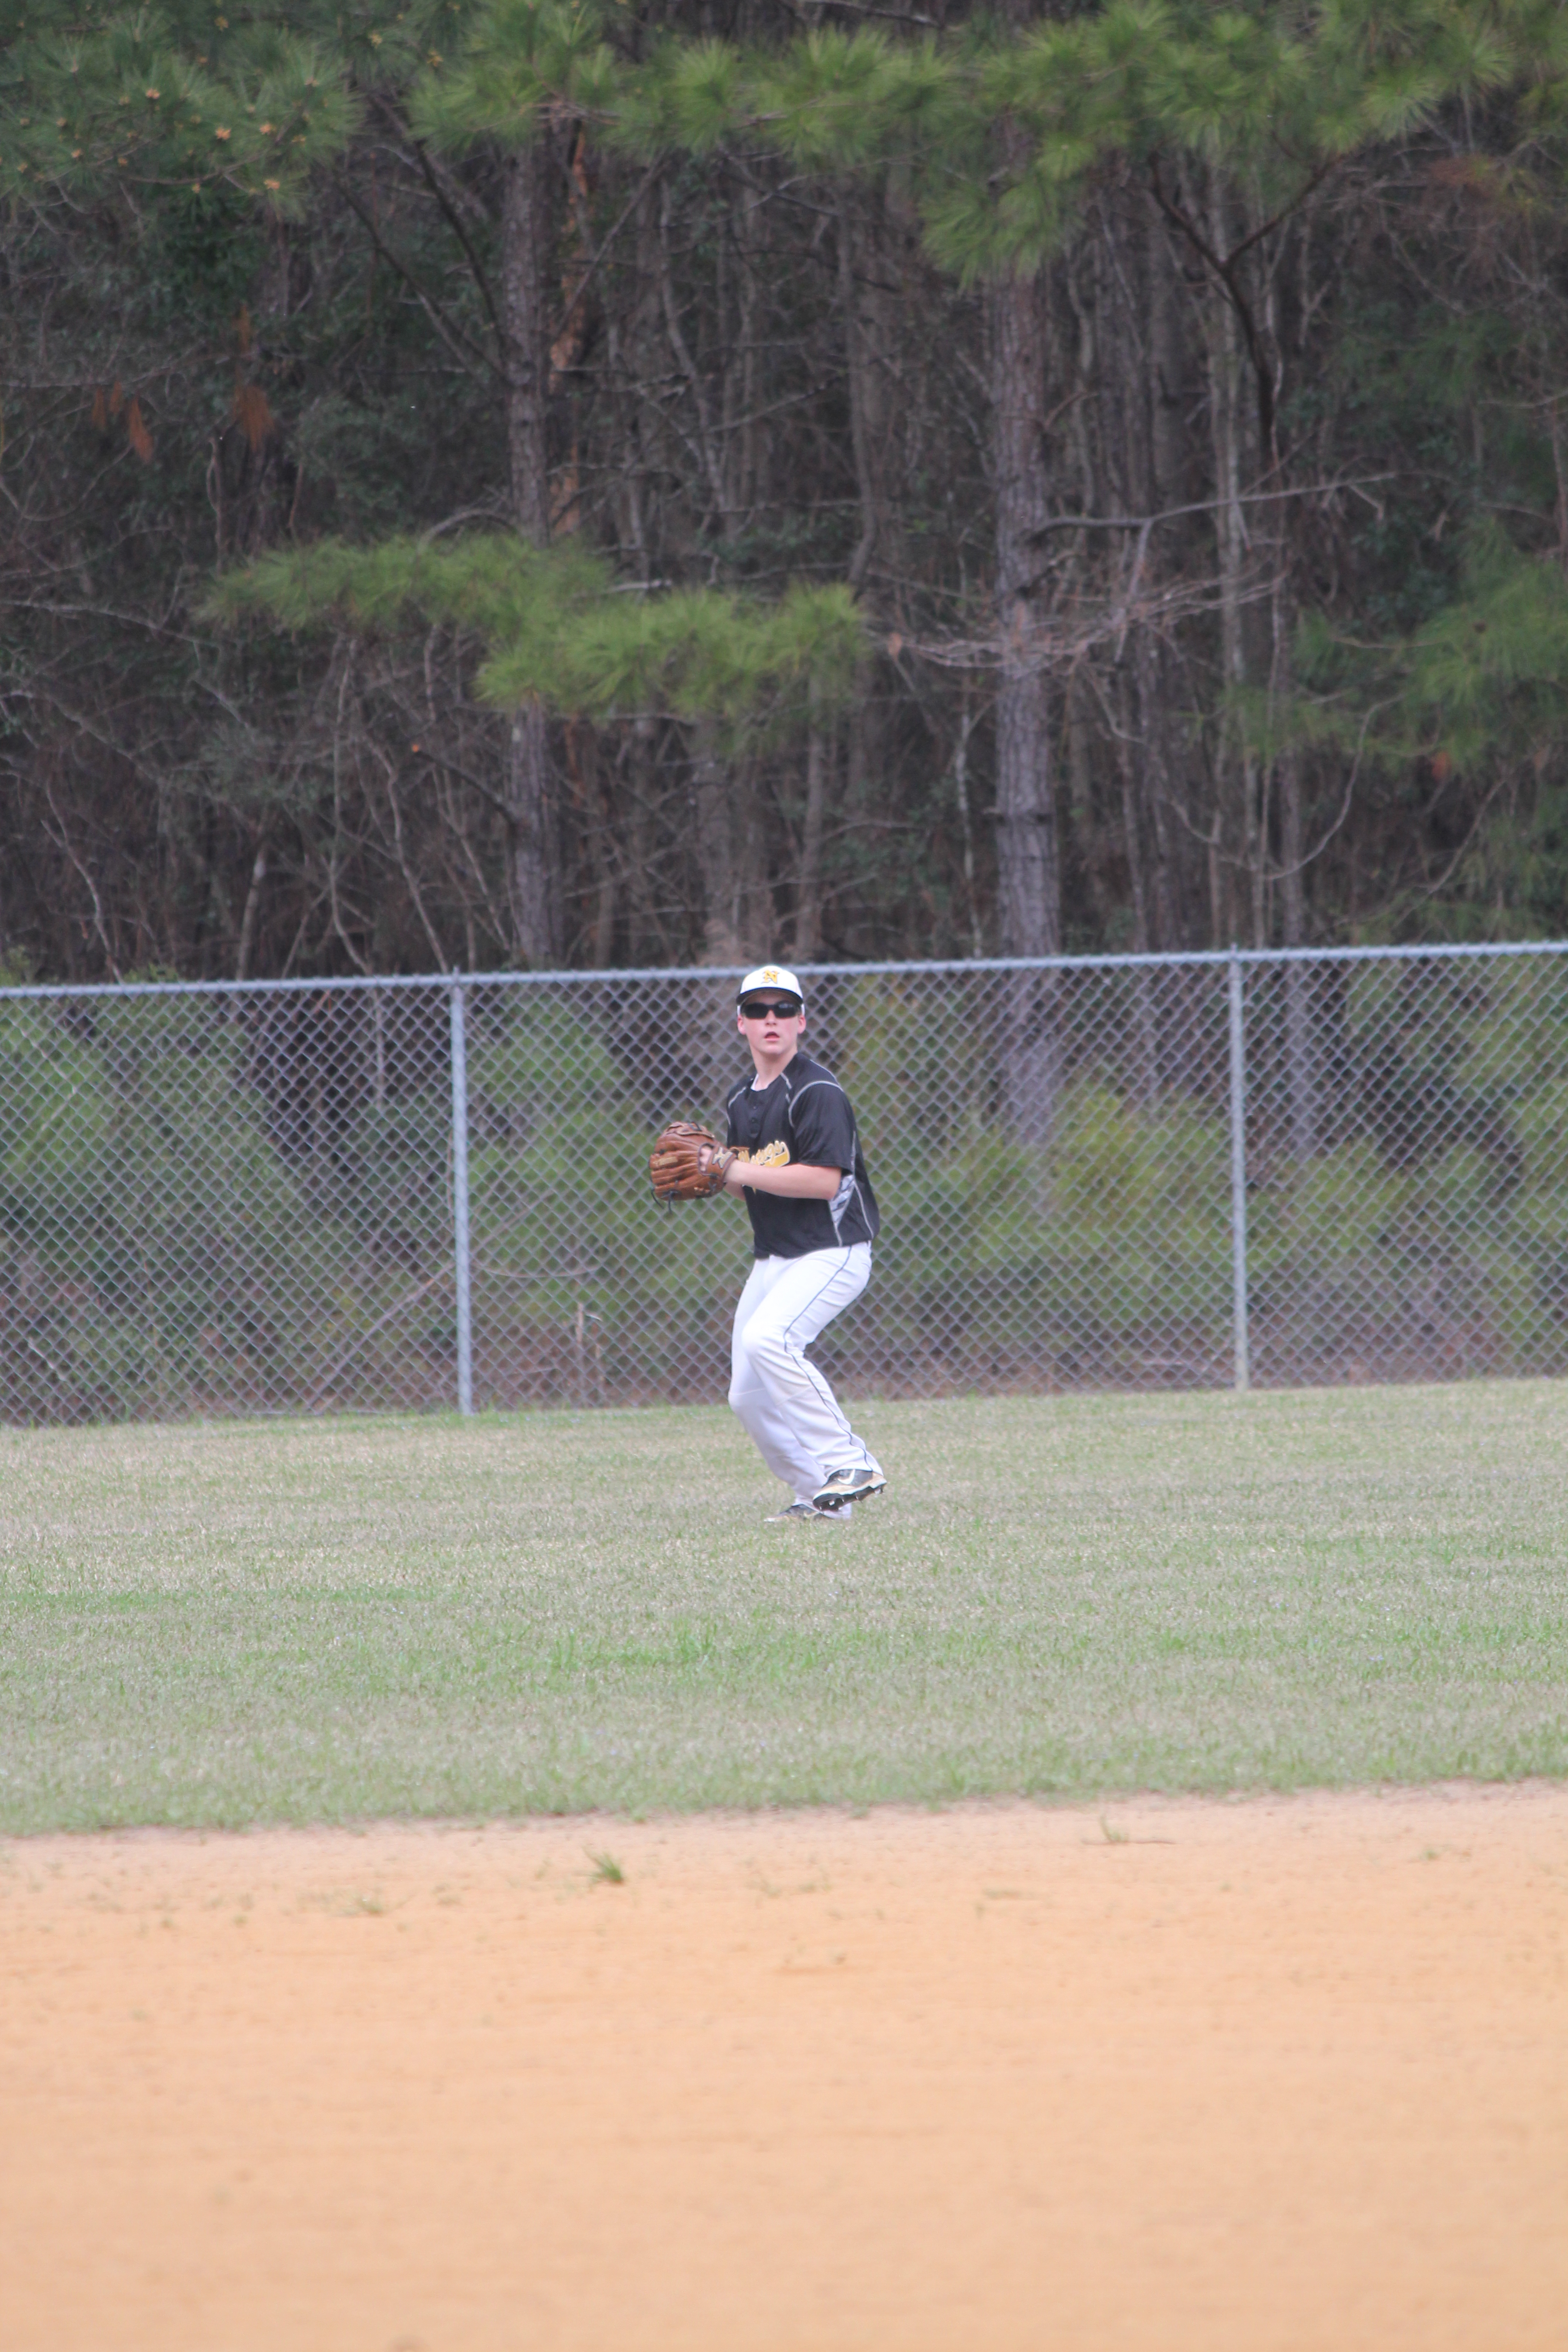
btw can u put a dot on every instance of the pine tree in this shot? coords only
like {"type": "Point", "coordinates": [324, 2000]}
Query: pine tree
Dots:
{"type": "Point", "coordinates": [1235, 117]}
{"type": "Point", "coordinates": [147, 104]}
{"type": "Point", "coordinates": [1160, 196]}
{"type": "Point", "coordinates": [560, 636]}
{"type": "Point", "coordinates": [494, 93]}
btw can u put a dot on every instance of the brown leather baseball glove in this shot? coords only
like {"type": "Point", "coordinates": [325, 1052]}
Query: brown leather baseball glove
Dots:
{"type": "Point", "coordinates": [676, 1167]}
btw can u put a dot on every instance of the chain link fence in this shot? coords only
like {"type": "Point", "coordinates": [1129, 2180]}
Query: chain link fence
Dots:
{"type": "Point", "coordinates": [1123, 1172]}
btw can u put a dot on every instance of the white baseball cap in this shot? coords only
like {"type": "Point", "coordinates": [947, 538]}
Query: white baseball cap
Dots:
{"type": "Point", "coordinates": [771, 975]}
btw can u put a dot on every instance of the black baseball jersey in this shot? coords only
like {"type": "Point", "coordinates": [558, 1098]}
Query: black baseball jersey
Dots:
{"type": "Point", "coordinates": [804, 1116]}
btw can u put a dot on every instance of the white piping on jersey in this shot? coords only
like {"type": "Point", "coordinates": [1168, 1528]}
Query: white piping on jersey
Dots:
{"type": "Point", "coordinates": [792, 1095]}
{"type": "Point", "coordinates": [838, 1208]}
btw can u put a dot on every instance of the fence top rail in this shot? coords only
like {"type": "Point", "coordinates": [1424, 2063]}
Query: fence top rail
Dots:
{"type": "Point", "coordinates": [360, 983]}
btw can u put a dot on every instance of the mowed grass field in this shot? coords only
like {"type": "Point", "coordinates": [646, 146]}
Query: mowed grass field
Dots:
{"type": "Point", "coordinates": [327, 1620]}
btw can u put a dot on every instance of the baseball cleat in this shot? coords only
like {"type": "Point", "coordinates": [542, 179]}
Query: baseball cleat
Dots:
{"type": "Point", "coordinates": [842, 1486]}
{"type": "Point", "coordinates": [795, 1511]}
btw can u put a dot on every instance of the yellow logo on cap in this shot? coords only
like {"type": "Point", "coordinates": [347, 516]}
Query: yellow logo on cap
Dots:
{"type": "Point", "coordinates": [770, 971]}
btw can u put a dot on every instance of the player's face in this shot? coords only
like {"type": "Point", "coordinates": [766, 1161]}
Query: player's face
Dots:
{"type": "Point", "coordinates": [773, 1025]}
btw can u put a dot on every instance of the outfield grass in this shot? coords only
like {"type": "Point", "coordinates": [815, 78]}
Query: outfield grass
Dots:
{"type": "Point", "coordinates": [314, 1621]}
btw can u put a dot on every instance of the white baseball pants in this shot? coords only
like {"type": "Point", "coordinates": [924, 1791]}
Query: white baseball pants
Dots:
{"type": "Point", "coordinates": [792, 1413]}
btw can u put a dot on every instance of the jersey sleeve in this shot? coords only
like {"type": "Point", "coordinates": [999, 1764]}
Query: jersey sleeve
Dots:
{"type": "Point", "coordinates": [824, 1126]}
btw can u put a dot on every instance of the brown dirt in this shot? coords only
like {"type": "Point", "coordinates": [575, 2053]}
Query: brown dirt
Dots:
{"type": "Point", "coordinates": [1280, 2073]}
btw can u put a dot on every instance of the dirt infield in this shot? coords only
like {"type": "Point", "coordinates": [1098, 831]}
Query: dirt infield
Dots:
{"type": "Point", "coordinates": [1269, 2074]}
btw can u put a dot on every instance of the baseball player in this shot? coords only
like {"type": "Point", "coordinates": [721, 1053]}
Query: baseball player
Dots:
{"type": "Point", "coordinates": [813, 1216]}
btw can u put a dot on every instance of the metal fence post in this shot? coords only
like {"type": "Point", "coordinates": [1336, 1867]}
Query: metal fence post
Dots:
{"type": "Point", "coordinates": [460, 1206]}
{"type": "Point", "coordinates": [1238, 1170]}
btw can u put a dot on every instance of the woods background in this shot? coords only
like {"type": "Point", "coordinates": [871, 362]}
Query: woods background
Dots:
{"type": "Point", "coordinates": [1164, 407]}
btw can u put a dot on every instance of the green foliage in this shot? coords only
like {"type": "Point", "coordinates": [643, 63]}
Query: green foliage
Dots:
{"type": "Point", "coordinates": [567, 1274]}
{"type": "Point", "coordinates": [143, 1213]}
{"type": "Point", "coordinates": [557, 630]}
{"type": "Point", "coordinates": [1490, 671]}
{"type": "Point", "coordinates": [163, 97]}
{"type": "Point", "coordinates": [149, 99]}
{"type": "Point", "coordinates": [1477, 691]}
{"type": "Point", "coordinates": [520, 58]}
{"type": "Point", "coordinates": [1417, 338]}
{"type": "Point", "coordinates": [190, 1222]}
{"type": "Point", "coordinates": [1452, 1222]}
{"type": "Point", "coordinates": [203, 249]}
{"type": "Point", "coordinates": [1114, 1242]}
{"type": "Point", "coordinates": [1276, 92]}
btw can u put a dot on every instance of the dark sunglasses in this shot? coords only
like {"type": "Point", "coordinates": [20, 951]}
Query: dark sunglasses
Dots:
{"type": "Point", "coordinates": [757, 1008]}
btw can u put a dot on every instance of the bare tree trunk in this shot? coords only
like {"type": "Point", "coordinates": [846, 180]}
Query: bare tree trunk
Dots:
{"type": "Point", "coordinates": [867, 775]}
{"type": "Point", "coordinates": [1241, 816]}
{"type": "Point", "coordinates": [754, 915]}
{"type": "Point", "coordinates": [1119, 466]}
{"type": "Point", "coordinates": [1141, 388]}
{"type": "Point", "coordinates": [1299, 1041]}
{"type": "Point", "coordinates": [1157, 789]}
{"type": "Point", "coordinates": [249, 920]}
{"type": "Point", "coordinates": [808, 908]}
{"type": "Point", "coordinates": [1029, 888]}
{"type": "Point", "coordinates": [524, 279]}
{"type": "Point", "coordinates": [870, 345]}
{"type": "Point", "coordinates": [711, 796]}
{"type": "Point", "coordinates": [1145, 1030]}
{"type": "Point", "coordinates": [871, 328]}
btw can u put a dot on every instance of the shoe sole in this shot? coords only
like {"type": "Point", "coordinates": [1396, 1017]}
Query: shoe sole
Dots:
{"type": "Point", "coordinates": [828, 1504]}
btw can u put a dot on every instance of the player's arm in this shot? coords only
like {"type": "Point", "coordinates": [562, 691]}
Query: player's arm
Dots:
{"type": "Point", "coordinates": [823, 1129]}
{"type": "Point", "coordinates": [797, 1182]}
